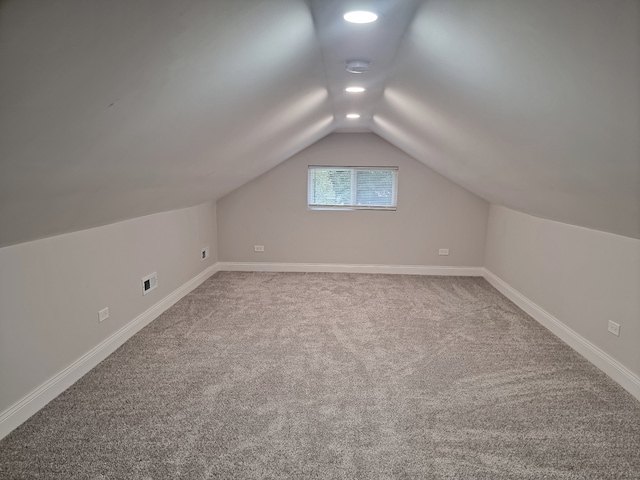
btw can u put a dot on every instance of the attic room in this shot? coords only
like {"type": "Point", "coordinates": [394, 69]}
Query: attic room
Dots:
{"type": "Point", "coordinates": [186, 293]}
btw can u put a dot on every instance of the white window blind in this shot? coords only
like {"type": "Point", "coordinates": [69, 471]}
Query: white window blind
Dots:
{"type": "Point", "coordinates": [353, 188]}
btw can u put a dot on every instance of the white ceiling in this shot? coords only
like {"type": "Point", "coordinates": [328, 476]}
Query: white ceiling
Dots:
{"type": "Point", "coordinates": [377, 42]}
{"type": "Point", "coordinates": [534, 105]}
{"type": "Point", "coordinates": [112, 110]}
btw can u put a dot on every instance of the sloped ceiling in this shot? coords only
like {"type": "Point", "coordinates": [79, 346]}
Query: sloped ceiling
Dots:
{"type": "Point", "coordinates": [112, 110]}
{"type": "Point", "coordinates": [116, 109]}
{"type": "Point", "coordinates": [534, 105]}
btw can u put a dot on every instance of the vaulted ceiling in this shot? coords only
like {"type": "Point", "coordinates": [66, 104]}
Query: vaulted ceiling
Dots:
{"type": "Point", "coordinates": [113, 110]}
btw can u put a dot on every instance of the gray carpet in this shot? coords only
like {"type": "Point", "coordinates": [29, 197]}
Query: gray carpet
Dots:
{"type": "Point", "coordinates": [263, 375]}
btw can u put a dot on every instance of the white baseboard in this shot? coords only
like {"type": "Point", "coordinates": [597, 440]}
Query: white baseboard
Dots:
{"type": "Point", "coordinates": [350, 268]}
{"type": "Point", "coordinates": [614, 369]}
{"type": "Point", "coordinates": [19, 412]}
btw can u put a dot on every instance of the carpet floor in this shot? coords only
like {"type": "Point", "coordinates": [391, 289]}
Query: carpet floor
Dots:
{"type": "Point", "coordinates": [332, 376]}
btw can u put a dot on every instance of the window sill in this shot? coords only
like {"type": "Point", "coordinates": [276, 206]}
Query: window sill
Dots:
{"type": "Point", "coordinates": [352, 208]}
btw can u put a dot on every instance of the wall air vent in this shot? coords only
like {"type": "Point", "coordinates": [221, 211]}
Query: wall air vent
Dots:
{"type": "Point", "coordinates": [150, 282]}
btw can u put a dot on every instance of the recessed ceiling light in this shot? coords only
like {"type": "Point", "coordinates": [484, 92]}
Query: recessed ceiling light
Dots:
{"type": "Point", "coordinates": [360, 16]}
{"type": "Point", "coordinates": [353, 115]}
{"type": "Point", "coordinates": [354, 89]}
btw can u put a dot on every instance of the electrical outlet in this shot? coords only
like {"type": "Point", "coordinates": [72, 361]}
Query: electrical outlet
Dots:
{"type": "Point", "coordinates": [258, 248]}
{"type": "Point", "coordinates": [103, 314]}
{"type": "Point", "coordinates": [204, 253]}
{"type": "Point", "coordinates": [614, 328]}
{"type": "Point", "coordinates": [443, 251]}
{"type": "Point", "coordinates": [150, 282]}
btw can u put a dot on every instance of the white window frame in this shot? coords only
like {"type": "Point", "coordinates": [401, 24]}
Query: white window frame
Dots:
{"type": "Point", "coordinates": [314, 206]}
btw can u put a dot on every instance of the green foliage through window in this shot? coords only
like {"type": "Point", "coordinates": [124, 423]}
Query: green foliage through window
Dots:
{"type": "Point", "coordinates": [353, 187]}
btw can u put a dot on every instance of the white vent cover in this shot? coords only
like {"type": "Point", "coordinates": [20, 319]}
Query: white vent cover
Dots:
{"type": "Point", "coordinates": [150, 282]}
{"type": "Point", "coordinates": [358, 66]}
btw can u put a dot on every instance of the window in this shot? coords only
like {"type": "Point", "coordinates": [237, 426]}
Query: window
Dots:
{"type": "Point", "coordinates": [353, 188]}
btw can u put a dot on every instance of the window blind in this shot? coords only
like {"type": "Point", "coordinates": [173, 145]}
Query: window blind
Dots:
{"type": "Point", "coordinates": [352, 188]}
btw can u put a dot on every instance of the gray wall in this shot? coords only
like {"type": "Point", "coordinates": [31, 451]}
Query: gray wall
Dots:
{"type": "Point", "coordinates": [432, 213]}
{"type": "Point", "coordinates": [580, 276]}
{"type": "Point", "coordinates": [51, 289]}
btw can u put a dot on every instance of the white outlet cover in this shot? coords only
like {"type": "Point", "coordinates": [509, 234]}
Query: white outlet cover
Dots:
{"type": "Point", "coordinates": [614, 328]}
{"type": "Point", "coordinates": [204, 253]}
{"type": "Point", "coordinates": [103, 314]}
{"type": "Point", "coordinates": [443, 251]}
{"type": "Point", "coordinates": [258, 248]}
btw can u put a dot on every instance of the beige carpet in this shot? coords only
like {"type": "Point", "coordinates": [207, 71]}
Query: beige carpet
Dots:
{"type": "Point", "coordinates": [261, 375]}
